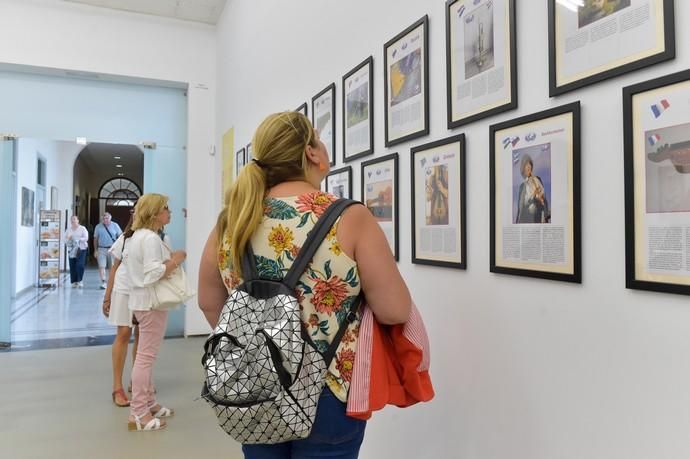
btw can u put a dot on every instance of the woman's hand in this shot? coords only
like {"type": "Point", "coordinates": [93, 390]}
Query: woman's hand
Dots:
{"type": "Point", "coordinates": [106, 306]}
{"type": "Point", "coordinates": [178, 256]}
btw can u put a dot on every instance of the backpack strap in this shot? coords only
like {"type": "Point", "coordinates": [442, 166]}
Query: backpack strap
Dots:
{"type": "Point", "coordinates": [314, 239]}
{"type": "Point", "coordinates": [249, 272]}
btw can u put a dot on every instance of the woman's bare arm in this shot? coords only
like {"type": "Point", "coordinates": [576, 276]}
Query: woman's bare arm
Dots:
{"type": "Point", "coordinates": [212, 291]}
{"type": "Point", "coordinates": [386, 293]}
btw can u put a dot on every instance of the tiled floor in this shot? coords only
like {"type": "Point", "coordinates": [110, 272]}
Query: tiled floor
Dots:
{"type": "Point", "coordinates": [61, 317]}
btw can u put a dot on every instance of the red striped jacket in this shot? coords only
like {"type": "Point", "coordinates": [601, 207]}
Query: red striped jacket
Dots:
{"type": "Point", "coordinates": [391, 365]}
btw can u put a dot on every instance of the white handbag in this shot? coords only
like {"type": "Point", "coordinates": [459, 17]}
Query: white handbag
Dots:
{"type": "Point", "coordinates": [171, 291]}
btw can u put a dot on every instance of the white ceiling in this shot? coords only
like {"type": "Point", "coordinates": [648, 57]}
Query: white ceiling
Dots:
{"type": "Point", "coordinates": [206, 11]}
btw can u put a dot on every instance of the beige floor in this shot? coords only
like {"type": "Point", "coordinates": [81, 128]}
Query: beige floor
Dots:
{"type": "Point", "coordinates": [56, 404]}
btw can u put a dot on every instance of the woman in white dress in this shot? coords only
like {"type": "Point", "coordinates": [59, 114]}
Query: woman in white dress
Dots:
{"type": "Point", "coordinates": [116, 309]}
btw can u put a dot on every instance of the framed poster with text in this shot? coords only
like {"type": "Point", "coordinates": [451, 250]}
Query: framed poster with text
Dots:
{"type": "Point", "coordinates": [358, 111]}
{"type": "Point", "coordinates": [323, 118]}
{"type": "Point", "coordinates": [481, 70]}
{"type": "Point", "coordinates": [535, 195]}
{"type": "Point", "coordinates": [380, 195]}
{"type": "Point", "coordinates": [601, 39]}
{"type": "Point", "coordinates": [339, 182]}
{"type": "Point", "coordinates": [406, 84]}
{"type": "Point", "coordinates": [657, 184]}
{"type": "Point", "coordinates": [438, 203]}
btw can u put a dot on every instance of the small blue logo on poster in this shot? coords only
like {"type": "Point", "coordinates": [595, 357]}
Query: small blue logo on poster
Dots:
{"type": "Point", "coordinates": [531, 136]}
{"type": "Point", "coordinates": [436, 159]}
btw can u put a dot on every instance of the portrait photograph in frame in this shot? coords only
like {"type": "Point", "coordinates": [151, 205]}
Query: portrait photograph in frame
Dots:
{"type": "Point", "coordinates": [406, 84]}
{"type": "Point", "coordinates": [481, 69]}
{"type": "Point", "coordinates": [602, 39]}
{"type": "Point", "coordinates": [302, 109]}
{"type": "Point", "coordinates": [323, 118]}
{"type": "Point", "coordinates": [656, 134]}
{"type": "Point", "coordinates": [439, 237]}
{"type": "Point", "coordinates": [380, 195]}
{"type": "Point", "coordinates": [339, 182]}
{"type": "Point", "coordinates": [358, 111]}
{"type": "Point", "coordinates": [239, 161]}
{"type": "Point", "coordinates": [535, 195]}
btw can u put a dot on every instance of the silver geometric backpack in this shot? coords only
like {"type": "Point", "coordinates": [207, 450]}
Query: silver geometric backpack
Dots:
{"type": "Point", "coordinates": [264, 374]}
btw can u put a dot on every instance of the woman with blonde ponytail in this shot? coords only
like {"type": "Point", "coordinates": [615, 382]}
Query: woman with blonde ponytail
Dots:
{"type": "Point", "coordinates": [273, 204]}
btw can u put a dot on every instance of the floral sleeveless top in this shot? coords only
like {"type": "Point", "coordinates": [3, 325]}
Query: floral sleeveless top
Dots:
{"type": "Point", "coordinates": [328, 286]}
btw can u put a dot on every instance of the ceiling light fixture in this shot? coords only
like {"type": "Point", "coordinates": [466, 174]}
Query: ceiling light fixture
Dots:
{"type": "Point", "coordinates": [117, 157]}
{"type": "Point", "coordinates": [118, 165]}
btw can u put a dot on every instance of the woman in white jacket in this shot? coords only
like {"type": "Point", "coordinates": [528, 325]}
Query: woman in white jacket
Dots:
{"type": "Point", "coordinates": [148, 260]}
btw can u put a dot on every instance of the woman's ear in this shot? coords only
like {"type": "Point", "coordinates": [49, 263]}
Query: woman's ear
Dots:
{"type": "Point", "coordinates": [312, 154]}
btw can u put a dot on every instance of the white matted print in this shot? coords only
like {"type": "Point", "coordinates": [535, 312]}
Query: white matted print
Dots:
{"type": "Point", "coordinates": [358, 120]}
{"type": "Point", "coordinates": [535, 206]}
{"type": "Point", "coordinates": [603, 38]}
{"type": "Point", "coordinates": [323, 118]}
{"type": "Point", "coordinates": [438, 203]}
{"type": "Point", "coordinates": [480, 53]}
{"type": "Point", "coordinates": [339, 182]}
{"type": "Point", "coordinates": [657, 156]}
{"type": "Point", "coordinates": [380, 195]}
{"type": "Point", "coordinates": [406, 84]}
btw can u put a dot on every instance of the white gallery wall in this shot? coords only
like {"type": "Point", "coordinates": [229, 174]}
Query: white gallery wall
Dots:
{"type": "Point", "coordinates": [523, 368]}
{"type": "Point", "coordinates": [80, 38]}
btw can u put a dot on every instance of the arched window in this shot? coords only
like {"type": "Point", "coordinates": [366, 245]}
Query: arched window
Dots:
{"type": "Point", "coordinates": [119, 192]}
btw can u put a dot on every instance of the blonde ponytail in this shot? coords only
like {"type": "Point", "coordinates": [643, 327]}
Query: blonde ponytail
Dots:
{"type": "Point", "coordinates": [279, 144]}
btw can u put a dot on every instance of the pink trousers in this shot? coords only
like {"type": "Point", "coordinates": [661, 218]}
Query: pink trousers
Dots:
{"type": "Point", "coordinates": [151, 332]}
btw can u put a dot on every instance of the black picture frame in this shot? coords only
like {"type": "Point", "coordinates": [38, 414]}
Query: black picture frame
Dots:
{"type": "Point", "coordinates": [320, 125]}
{"type": "Point", "coordinates": [248, 155]}
{"type": "Point", "coordinates": [397, 42]}
{"type": "Point", "coordinates": [303, 109]}
{"type": "Point", "coordinates": [369, 63]}
{"type": "Point", "coordinates": [366, 176]}
{"type": "Point", "coordinates": [239, 161]}
{"type": "Point", "coordinates": [444, 157]}
{"type": "Point", "coordinates": [540, 127]}
{"type": "Point", "coordinates": [508, 103]}
{"type": "Point", "coordinates": [347, 171]}
{"type": "Point", "coordinates": [639, 100]}
{"type": "Point", "coordinates": [669, 52]}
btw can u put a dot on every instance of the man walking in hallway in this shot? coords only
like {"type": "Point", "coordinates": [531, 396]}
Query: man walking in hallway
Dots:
{"type": "Point", "coordinates": [104, 235]}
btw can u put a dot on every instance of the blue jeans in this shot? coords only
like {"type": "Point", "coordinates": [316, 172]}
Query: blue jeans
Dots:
{"type": "Point", "coordinates": [334, 435]}
{"type": "Point", "coordinates": [76, 267]}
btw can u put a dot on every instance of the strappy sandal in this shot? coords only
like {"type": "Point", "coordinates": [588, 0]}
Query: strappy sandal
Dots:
{"type": "Point", "coordinates": [163, 412]}
{"type": "Point", "coordinates": [123, 396]}
{"type": "Point", "coordinates": [153, 424]}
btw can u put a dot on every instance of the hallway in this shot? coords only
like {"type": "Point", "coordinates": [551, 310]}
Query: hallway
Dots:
{"type": "Point", "coordinates": [44, 318]}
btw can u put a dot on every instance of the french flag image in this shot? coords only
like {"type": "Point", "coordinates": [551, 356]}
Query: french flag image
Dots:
{"type": "Point", "coordinates": [658, 109]}
{"type": "Point", "coordinates": [510, 141]}
{"type": "Point", "coordinates": [653, 139]}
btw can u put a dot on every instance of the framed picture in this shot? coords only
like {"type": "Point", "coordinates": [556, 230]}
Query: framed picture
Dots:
{"type": "Point", "coordinates": [27, 207]}
{"type": "Point", "coordinates": [406, 83]}
{"type": "Point", "coordinates": [248, 156]}
{"type": "Point", "coordinates": [601, 39]}
{"type": "Point", "coordinates": [323, 118]}
{"type": "Point", "coordinates": [438, 203]}
{"type": "Point", "coordinates": [239, 161]}
{"type": "Point", "coordinates": [358, 111]}
{"type": "Point", "coordinates": [481, 72]}
{"type": "Point", "coordinates": [303, 109]}
{"type": "Point", "coordinates": [657, 184]}
{"type": "Point", "coordinates": [535, 195]}
{"type": "Point", "coordinates": [339, 182]}
{"type": "Point", "coordinates": [380, 195]}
